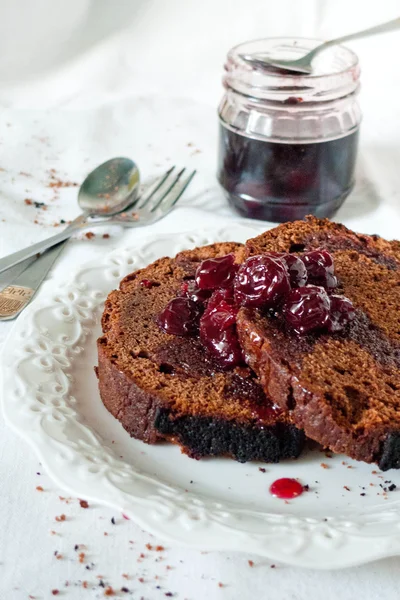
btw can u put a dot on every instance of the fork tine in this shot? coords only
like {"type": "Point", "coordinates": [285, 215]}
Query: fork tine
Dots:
{"type": "Point", "coordinates": [164, 194]}
{"type": "Point", "coordinates": [168, 203]}
{"type": "Point", "coordinates": [154, 190]}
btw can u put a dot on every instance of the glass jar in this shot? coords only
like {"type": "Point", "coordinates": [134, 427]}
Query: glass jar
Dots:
{"type": "Point", "coordinates": [288, 142]}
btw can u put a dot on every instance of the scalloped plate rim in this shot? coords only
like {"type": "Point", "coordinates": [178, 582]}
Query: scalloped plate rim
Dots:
{"type": "Point", "coordinates": [336, 560]}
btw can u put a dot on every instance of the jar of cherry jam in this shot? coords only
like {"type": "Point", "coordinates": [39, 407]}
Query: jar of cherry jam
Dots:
{"type": "Point", "coordinates": [288, 142]}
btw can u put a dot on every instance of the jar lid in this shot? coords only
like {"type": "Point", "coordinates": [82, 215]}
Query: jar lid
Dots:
{"type": "Point", "coordinates": [335, 72]}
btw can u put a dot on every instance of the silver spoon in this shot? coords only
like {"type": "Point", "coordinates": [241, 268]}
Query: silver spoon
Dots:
{"type": "Point", "coordinates": [106, 191]}
{"type": "Point", "coordinates": [304, 64]}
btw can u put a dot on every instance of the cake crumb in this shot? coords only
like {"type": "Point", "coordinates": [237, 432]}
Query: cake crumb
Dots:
{"type": "Point", "coordinates": [109, 591]}
{"type": "Point", "coordinates": [28, 201]}
{"type": "Point", "coordinates": [262, 470]}
{"type": "Point", "coordinates": [251, 563]}
{"type": "Point", "coordinates": [39, 488]}
{"type": "Point", "coordinates": [61, 518]}
{"type": "Point", "coordinates": [55, 592]}
{"type": "Point", "coordinates": [324, 466]}
{"type": "Point", "coordinates": [89, 235]}
{"type": "Point", "coordinates": [81, 557]}
{"type": "Point", "coordinates": [83, 504]}
{"type": "Point", "coordinates": [106, 236]}
{"type": "Point", "coordinates": [221, 585]}
{"type": "Point", "coordinates": [346, 488]}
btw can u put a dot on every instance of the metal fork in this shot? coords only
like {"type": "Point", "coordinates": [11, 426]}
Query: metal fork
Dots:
{"type": "Point", "coordinates": [155, 206]}
{"type": "Point", "coordinates": [147, 210]}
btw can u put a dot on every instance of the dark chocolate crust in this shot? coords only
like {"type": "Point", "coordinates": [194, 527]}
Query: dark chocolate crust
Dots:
{"type": "Point", "coordinates": [145, 418]}
{"type": "Point", "coordinates": [343, 389]}
{"type": "Point", "coordinates": [144, 375]}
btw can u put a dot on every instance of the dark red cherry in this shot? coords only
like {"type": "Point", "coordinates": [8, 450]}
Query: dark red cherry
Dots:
{"type": "Point", "coordinates": [215, 273]}
{"type": "Point", "coordinates": [307, 308]}
{"type": "Point", "coordinates": [327, 281]}
{"type": "Point", "coordinates": [342, 312]}
{"type": "Point", "coordinates": [320, 268]}
{"type": "Point", "coordinates": [180, 317]}
{"type": "Point", "coordinates": [219, 296]}
{"type": "Point", "coordinates": [222, 344]}
{"type": "Point", "coordinates": [296, 268]}
{"type": "Point", "coordinates": [262, 281]}
{"type": "Point", "coordinates": [190, 290]}
{"type": "Point", "coordinates": [318, 262]}
{"type": "Point", "coordinates": [218, 329]}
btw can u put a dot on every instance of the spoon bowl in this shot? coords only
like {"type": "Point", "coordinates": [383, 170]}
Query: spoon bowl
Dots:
{"type": "Point", "coordinates": [110, 188]}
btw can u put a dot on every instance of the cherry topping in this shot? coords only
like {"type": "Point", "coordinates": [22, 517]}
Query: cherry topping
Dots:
{"type": "Point", "coordinates": [215, 273]}
{"type": "Point", "coordinates": [307, 308]}
{"type": "Point", "coordinates": [180, 317]}
{"type": "Point", "coordinates": [320, 269]}
{"type": "Point", "coordinates": [318, 262]}
{"type": "Point", "coordinates": [262, 281]}
{"type": "Point", "coordinates": [218, 296]}
{"type": "Point", "coordinates": [286, 488]}
{"type": "Point", "coordinates": [218, 330]}
{"type": "Point", "coordinates": [296, 269]}
{"type": "Point", "coordinates": [341, 313]}
{"type": "Point", "coordinates": [190, 290]}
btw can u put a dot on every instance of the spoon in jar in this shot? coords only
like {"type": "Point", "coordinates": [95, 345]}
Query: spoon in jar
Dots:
{"type": "Point", "coordinates": [106, 191]}
{"type": "Point", "coordinates": [303, 65]}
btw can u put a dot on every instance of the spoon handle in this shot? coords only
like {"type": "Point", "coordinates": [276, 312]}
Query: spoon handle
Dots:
{"type": "Point", "coordinates": [392, 25]}
{"type": "Point", "coordinates": [38, 248]}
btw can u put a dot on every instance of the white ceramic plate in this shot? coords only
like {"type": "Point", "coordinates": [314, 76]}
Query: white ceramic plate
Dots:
{"type": "Point", "coordinates": [50, 397]}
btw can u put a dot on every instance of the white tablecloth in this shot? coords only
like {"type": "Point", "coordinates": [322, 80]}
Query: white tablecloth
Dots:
{"type": "Point", "coordinates": [82, 81]}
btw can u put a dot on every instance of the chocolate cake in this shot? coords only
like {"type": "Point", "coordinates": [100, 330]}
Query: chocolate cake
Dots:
{"type": "Point", "coordinates": [341, 387]}
{"type": "Point", "coordinates": [162, 386]}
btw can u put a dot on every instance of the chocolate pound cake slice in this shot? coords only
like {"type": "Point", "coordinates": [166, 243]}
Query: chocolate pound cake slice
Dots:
{"type": "Point", "coordinates": [341, 387]}
{"type": "Point", "coordinates": [162, 386]}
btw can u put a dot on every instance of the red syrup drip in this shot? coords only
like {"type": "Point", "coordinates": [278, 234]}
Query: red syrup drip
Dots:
{"type": "Point", "coordinates": [286, 488]}
{"type": "Point", "coordinates": [147, 283]}
{"type": "Point", "coordinates": [265, 412]}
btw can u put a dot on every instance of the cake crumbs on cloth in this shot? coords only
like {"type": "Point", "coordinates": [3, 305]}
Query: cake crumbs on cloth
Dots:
{"type": "Point", "coordinates": [39, 488]}
{"type": "Point", "coordinates": [83, 503]}
{"type": "Point", "coordinates": [89, 235]}
{"type": "Point", "coordinates": [109, 591]}
{"type": "Point", "coordinates": [61, 518]}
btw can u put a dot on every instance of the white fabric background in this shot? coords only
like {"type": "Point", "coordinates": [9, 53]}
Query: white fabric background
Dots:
{"type": "Point", "coordinates": [81, 81]}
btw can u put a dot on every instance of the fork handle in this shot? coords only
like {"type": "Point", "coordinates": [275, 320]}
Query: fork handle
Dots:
{"type": "Point", "coordinates": [39, 247]}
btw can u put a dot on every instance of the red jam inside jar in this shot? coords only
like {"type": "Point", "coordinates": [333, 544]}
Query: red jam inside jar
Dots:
{"type": "Point", "coordinates": [280, 160]}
